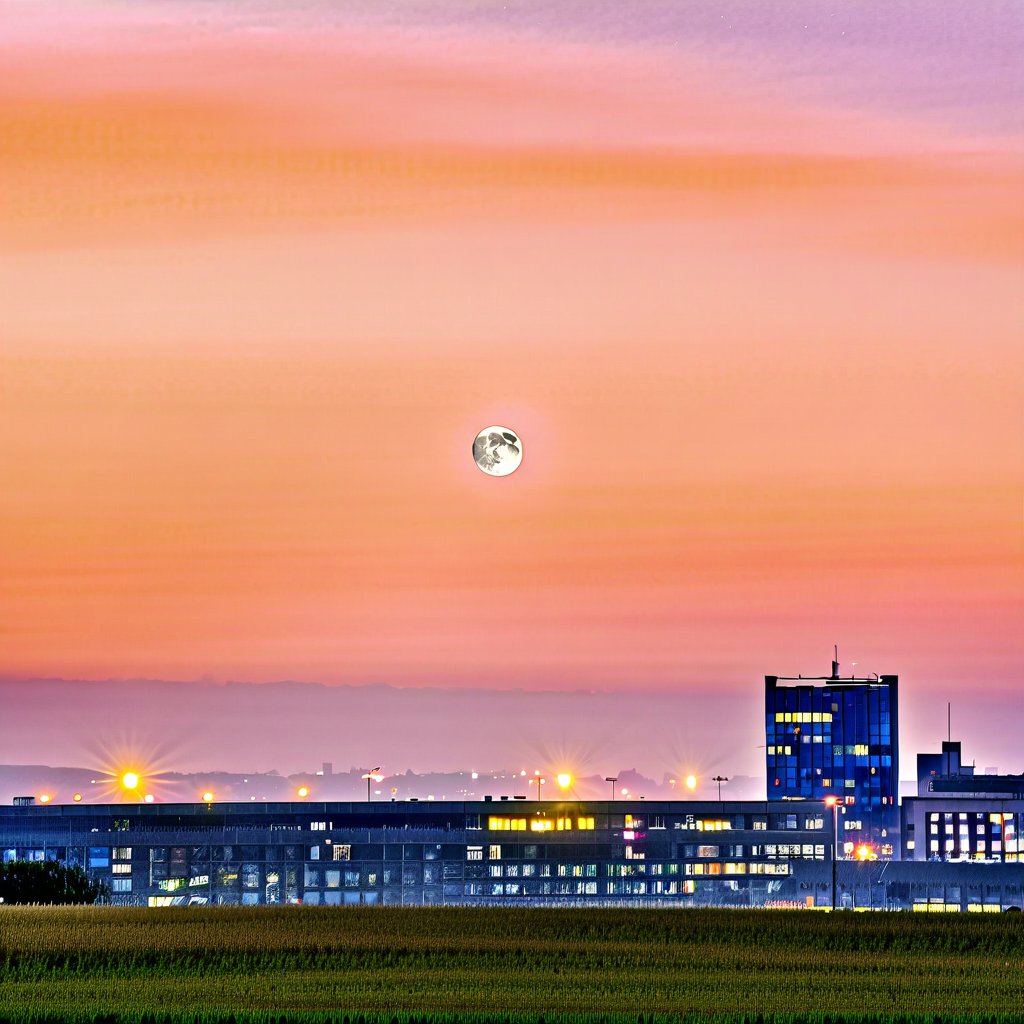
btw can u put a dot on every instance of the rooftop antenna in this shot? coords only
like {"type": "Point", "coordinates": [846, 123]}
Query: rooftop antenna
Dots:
{"type": "Point", "coordinates": [835, 662]}
{"type": "Point", "coordinates": [949, 732]}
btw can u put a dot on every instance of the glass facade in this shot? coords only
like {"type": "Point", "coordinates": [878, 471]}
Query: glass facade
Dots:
{"type": "Point", "coordinates": [734, 854]}
{"type": "Point", "coordinates": [646, 853]}
{"type": "Point", "coordinates": [838, 738]}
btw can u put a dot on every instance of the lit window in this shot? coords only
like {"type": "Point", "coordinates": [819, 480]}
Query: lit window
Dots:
{"type": "Point", "coordinates": [494, 852]}
{"type": "Point", "coordinates": [342, 852]}
{"type": "Point", "coordinates": [474, 853]}
{"type": "Point", "coordinates": [541, 825]}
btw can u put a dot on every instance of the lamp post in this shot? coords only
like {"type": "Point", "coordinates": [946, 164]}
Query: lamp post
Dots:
{"type": "Point", "coordinates": [833, 802]}
{"type": "Point", "coordinates": [372, 776]}
{"type": "Point", "coordinates": [612, 779]}
{"type": "Point", "coordinates": [720, 779]}
{"type": "Point", "coordinates": [539, 781]}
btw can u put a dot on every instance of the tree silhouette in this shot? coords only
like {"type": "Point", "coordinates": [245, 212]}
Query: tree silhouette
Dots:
{"type": "Point", "coordinates": [47, 881]}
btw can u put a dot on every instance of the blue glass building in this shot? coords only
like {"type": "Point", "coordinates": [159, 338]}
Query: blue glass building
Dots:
{"type": "Point", "coordinates": [826, 736]}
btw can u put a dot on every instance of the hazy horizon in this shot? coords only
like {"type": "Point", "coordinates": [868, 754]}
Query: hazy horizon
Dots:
{"type": "Point", "coordinates": [294, 726]}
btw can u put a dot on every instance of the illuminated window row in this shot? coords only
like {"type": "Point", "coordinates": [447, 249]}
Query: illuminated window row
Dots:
{"type": "Point", "coordinates": [705, 824]}
{"type": "Point", "coordinates": [497, 823]}
{"type": "Point", "coordinates": [803, 716]}
{"type": "Point", "coordinates": [736, 868]}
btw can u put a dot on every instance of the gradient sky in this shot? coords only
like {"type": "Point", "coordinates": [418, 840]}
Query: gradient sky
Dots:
{"type": "Point", "coordinates": [746, 278]}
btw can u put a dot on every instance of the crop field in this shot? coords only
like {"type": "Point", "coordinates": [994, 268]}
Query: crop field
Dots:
{"type": "Point", "coordinates": [455, 965]}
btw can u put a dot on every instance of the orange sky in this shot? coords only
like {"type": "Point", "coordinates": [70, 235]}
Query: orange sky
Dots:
{"type": "Point", "coordinates": [260, 291]}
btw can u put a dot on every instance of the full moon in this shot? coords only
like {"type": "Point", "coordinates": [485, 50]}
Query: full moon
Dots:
{"type": "Point", "coordinates": [497, 451]}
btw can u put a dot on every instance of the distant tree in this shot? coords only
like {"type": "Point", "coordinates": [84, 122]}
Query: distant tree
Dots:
{"type": "Point", "coordinates": [47, 881]}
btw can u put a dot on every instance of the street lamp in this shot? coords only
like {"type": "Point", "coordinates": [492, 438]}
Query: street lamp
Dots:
{"type": "Point", "coordinates": [373, 775]}
{"type": "Point", "coordinates": [720, 779]}
{"type": "Point", "coordinates": [612, 779]}
{"type": "Point", "coordinates": [539, 781]}
{"type": "Point", "coordinates": [691, 781]}
{"type": "Point", "coordinates": [564, 780]}
{"type": "Point", "coordinates": [833, 802]}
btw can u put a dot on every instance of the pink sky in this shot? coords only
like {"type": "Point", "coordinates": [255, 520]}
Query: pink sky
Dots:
{"type": "Point", "coordinates": [752, 301]}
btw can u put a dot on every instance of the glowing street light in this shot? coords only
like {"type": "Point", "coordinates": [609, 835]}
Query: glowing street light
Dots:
{"type": "Point", "coordinates": [564, 779]}
{"type": "Point", "coordinates": [77, 798]}
{"type": "Point", "coordinates": [44, 798]}
{"type": "Point", "coordinates": [691, 781]}
{"type": "Point", "coordinates": [833, 802]}
{"type": "Point", "coordinates": [612, 779]}
{"type": "Point", "coordinates": [303, 791]}
{"type": "Point", "coordinates": [539, 781]}
{"type": "Point", "coordinates": [373, 775]}
{"type": "Point", "coordinates": [720, 779]}
{"type": "Point", "coordinates": [148, 798]}
{"type": "Point", "coordinates": [208, 797]}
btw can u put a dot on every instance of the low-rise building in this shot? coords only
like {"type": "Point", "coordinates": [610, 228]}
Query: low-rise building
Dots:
{"type": "Point", "coordinates": [959, 815]}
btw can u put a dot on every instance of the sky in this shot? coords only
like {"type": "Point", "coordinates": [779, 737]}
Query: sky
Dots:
{"type": "Point", "coordinates": [744, 277]}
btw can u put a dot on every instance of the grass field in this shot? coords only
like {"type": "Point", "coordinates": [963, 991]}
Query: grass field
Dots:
{"type": "Point", "coordinates": [521, 965]}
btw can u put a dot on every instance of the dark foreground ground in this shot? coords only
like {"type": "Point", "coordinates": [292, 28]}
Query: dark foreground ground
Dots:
{"type": "Point", "coordinates": [460, 965]}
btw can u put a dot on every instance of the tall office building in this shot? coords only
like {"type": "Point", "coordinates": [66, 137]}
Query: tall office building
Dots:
{"type": "Point", "coordinates": [831, 736]}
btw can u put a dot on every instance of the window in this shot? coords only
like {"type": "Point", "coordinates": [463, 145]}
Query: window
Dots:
{"type": "Point", "coordinates": [541, 825]}
{"type": "Point", "coordinates": [474, 853]}
{"type": "Point", "coordinates": [500, 824]}
{"type": "Point", "coordinates": [494, 852]}
{"type": "Point", "coordinates": [318, 826]}
{"type": "Point", "coordinates": [586, 823]}
{"type": "Point", "coordinates": [342, 852]}
{"type": "Point", "coordinates": [122, 853]}
{"type": "Point", "coordinates": [120, 885]}
{"type": "Point", "coordinates": [314, 853]}
{"type": "Point", "coordinates": [122, 869]}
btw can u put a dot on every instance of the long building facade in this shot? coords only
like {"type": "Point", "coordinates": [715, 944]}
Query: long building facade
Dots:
{"type": "Point", "coordinates": [638, 853]}
{"type": "Point", "coordinates": [430, 853]}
